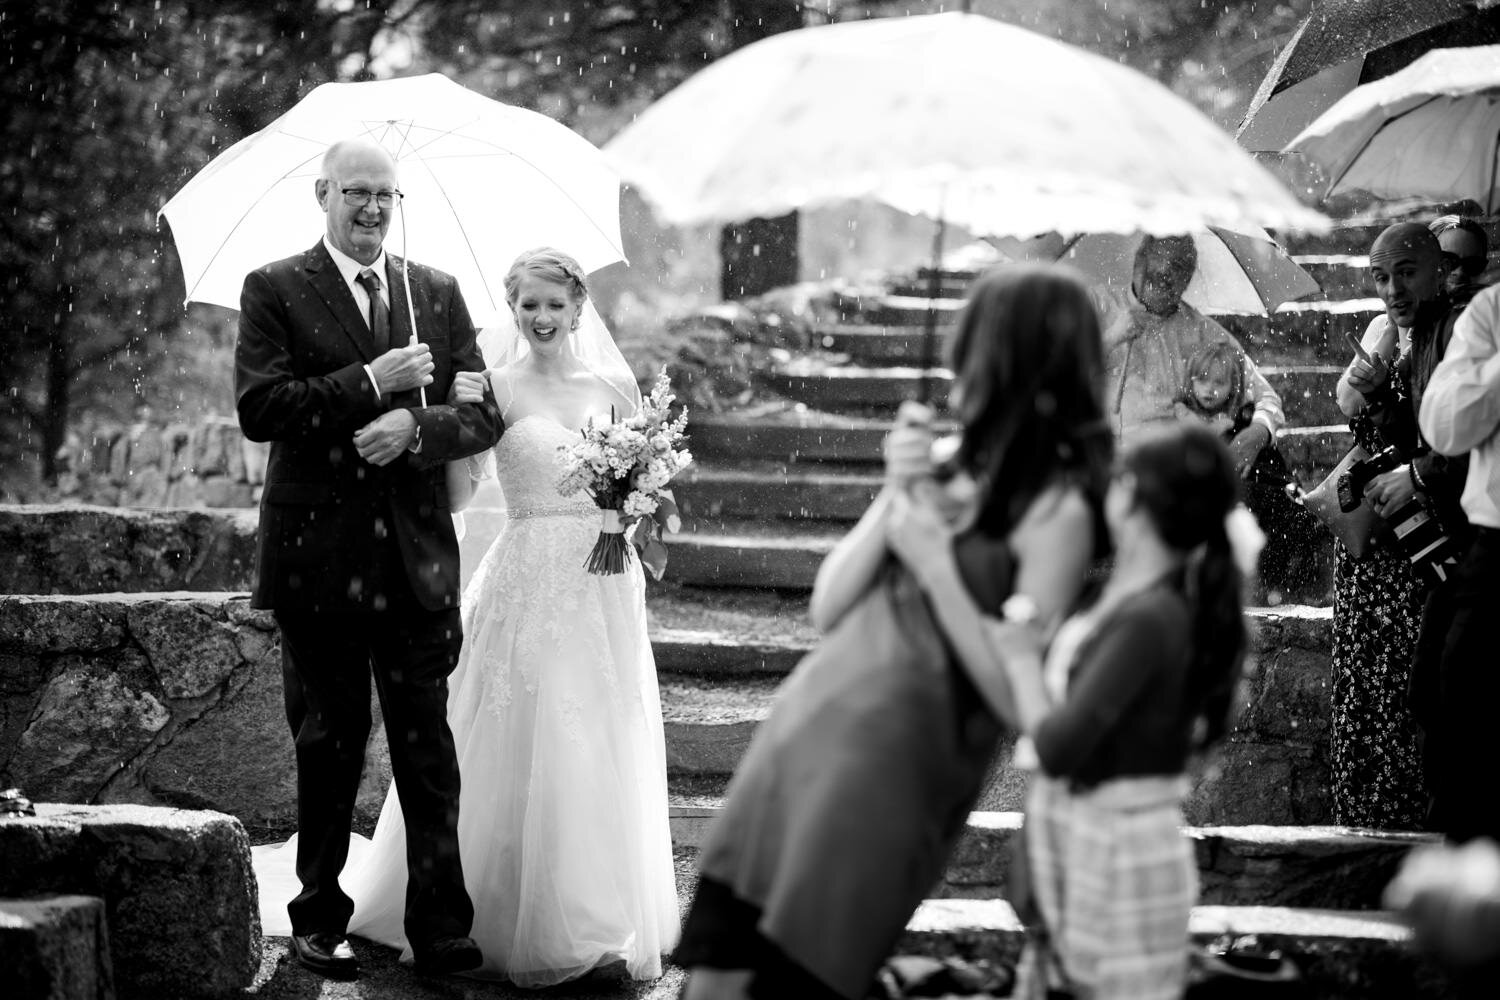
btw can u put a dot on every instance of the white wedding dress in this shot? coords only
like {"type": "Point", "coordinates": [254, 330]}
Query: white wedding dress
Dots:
{"type": "Point", "coordinates": [555, 712]}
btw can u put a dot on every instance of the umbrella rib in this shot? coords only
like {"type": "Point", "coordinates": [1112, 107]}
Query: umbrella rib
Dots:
{"type": "Point", "coordinates": [1349, 163]}
{"type": "Point", "coordinates": [1489, 197]}
{"type": "Point", "coordinates": [243, 216]}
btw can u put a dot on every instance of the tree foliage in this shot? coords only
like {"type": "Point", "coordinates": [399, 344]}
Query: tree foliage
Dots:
{"type": "Point", "coordinates": [108, 106]}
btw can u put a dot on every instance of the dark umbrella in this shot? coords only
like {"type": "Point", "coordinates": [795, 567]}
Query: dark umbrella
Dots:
{"type": "Point", "coordinates": [1344, 43]}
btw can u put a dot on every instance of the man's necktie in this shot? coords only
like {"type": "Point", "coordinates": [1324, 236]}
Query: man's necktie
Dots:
{"type": "Point", "coordinates": [380, 313]}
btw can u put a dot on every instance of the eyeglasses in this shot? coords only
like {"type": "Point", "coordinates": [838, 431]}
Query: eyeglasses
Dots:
{"type": "Point", "coordinates": [360, 197]}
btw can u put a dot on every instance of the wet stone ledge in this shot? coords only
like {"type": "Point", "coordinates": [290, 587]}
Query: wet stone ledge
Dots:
{"type": "Point", "coordinates": [175, 699]}
{"type": "Point", "coordinates": [53, 549]}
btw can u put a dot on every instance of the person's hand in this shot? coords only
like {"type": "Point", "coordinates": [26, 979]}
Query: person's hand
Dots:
{"type": "Point", "coordinates": [403, 368]}
{"type": "Point", "coordinates": [1246, 446]}
{"type": "Point", "coordinates": [1451, 897]}
{"type": "Point", "coordinates": [467, 387]}
{"type": "Point", "coordinates": [382, 440]}
{"type": "Point", "coordinates": [917, 533]}
{"type": "Point", "coordinates": [908, 447]}
{"type": "Point", "coordinates": [1367, 376]}
{"type": "Point", "coordinates": [1390, 491]}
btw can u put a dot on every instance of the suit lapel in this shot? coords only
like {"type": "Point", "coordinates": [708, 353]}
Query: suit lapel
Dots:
{"type": "Point", "coordinates": [325, 279]}
{"type": "Point", "coordinates": [400, 318]}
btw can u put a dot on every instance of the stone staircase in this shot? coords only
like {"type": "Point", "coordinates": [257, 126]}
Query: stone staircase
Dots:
{"type": "Point", "coordinates": [126, 636]}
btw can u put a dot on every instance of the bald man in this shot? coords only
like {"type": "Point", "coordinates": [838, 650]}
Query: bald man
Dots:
{"type": "Point", "coordinates": [357, 555]}
{"type": "Point", "coordinates": [1382, 396]}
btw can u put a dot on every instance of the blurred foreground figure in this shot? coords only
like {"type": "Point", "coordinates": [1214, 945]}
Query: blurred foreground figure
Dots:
{"type": "Point", "coordinates": [1461, 415]}
{"type": "Point", "coordinates": [1451, 897]}
{"type": "Point", "coordinates": [840, 818]}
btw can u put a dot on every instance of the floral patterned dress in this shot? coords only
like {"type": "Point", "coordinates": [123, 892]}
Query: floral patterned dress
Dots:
{"type": "Point", "coordinates": [1377, 614]}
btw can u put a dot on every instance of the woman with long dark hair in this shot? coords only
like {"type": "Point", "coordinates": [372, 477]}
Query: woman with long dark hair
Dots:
{"type": "Point", "coordinates": [842, 814]}
{"type": "Point", "coordinates": [1131, 687]}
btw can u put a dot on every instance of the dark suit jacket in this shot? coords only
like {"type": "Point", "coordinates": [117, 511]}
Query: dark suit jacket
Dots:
{"type": "Point", "coordinates": [331, 523]}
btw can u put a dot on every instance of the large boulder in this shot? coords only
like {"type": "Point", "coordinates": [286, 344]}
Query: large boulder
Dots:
{"type": "Point", "coordinates": [56, 948]}
{"type": "Point", "coordinates": [178, 889]}
{"type": "Point", "coordinates": [156, 699]}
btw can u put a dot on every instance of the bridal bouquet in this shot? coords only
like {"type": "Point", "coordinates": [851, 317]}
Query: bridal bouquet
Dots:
{"type": "Point", "coordinates": [625, 465]}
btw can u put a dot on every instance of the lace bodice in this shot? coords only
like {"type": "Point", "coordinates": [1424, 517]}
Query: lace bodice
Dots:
{"type": "Point", "coordinates": [529, 467]}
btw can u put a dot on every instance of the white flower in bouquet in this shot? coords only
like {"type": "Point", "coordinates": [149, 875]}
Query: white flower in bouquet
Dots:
{"type": "Point", "coordinates": [626, 466]}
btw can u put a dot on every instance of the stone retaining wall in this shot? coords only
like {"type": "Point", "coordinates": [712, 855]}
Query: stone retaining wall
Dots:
{"type": "Point", "coordinates": [175, 699]}
{"type": "Point", "coordinates": [145, 464]}
{"type": "Point", "coordinates": [158, 699]}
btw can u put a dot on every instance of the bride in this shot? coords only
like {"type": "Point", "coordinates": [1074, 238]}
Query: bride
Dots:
{"type": "Point", "coordinates": [554, 706]}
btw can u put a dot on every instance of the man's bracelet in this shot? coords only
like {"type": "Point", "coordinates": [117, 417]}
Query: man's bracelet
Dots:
{"type": "Point", "coordinates": [1416, 478]}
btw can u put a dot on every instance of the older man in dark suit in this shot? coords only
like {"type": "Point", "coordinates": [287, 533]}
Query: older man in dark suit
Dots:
{"type": "Point", "coordinates": [357, 553]}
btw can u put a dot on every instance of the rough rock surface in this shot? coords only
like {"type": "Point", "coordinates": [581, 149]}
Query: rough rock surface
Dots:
{"type": "Point", "coordinates": [157, 699]}
{"type": "Point", "coordinates": [178, 889]}
{"type": "Point", "coordinates": [97, 550]}
{"type": "Point", "coordinates": [56, 948]}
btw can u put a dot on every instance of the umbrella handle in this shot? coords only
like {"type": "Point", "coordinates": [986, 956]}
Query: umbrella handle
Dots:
{"type": "Point", "coordinates": [411, 308]}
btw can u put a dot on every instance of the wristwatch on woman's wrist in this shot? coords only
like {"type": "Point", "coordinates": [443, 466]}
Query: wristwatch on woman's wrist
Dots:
{"type": "Point", "coordinates": [1019, 609]}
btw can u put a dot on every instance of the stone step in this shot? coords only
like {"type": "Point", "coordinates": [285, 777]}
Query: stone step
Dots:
{"type": "Point", "coordinates": [1306, 390]}
{"type": "Point", "coordinates": [177, 887]}
{"type": "Point", "coordinates": [783, 555]}
{"type": "Point", "coordinates": [56, 947]}
{"type": "Point", "coordinates": [176, 684]}
{"type": "Point", "coordinates": [1305, 866]}
{"type": "Point", "coordinates": [882, 308]}
{"type": "Point", "coordinates": [1273, 768]}
{"type": "Point", "coordinates": [878, 345]}
{"type": "Point", "coordinates": [794, 435]}
{"type": "Point", "coordinates": [1340, 276]}
{"type": "Point", "coordinates": [1342, 955]}
{"type": "Point", "coordinates": [848, 388]}
{"type": "Point", "coordinates": [774, 490]}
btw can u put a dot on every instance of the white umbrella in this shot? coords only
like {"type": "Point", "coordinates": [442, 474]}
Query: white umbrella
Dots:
{"type": "Point", "coordinates": [1430, 131]}
{"type": "Point", "coordinates": [1244, 273]}
{"type": "Point", "coordinates": [483, 181]}
{"type": "Point", "coordinates": [956, 116]}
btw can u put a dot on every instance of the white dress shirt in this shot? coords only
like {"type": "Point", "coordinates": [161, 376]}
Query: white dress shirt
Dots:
{"type": "Point", "coordinates": [350, 269]}
{"type": "Point", "coordinates": [1461, 407]}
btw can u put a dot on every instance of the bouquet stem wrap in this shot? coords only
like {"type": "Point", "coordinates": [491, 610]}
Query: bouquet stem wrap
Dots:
{"type": "Point", "coordinates": [610, 552]}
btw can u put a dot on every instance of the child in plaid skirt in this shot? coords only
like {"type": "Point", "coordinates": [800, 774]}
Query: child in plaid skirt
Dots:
{"type": "Point", "coordinates": [1129, 689]}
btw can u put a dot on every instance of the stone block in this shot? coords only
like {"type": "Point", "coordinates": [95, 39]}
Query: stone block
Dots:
{"type": "Point", "coordinates": [178, 889]}
{"type": "Point", "coordinates": [89, 550]}
{"type": "Point", "coordinates": [87, 725]}
{"type": "Point", "coordinates": [55, 948]}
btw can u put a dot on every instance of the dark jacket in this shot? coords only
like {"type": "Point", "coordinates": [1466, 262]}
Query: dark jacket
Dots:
{"type": "Point", "coordinates": [336, 531]}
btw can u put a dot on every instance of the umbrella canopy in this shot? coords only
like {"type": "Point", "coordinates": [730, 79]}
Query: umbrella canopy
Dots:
{"type": "Point", "coordinates": [955, 116]}
{"type": "Point", "coordinates": [483, 181]}
{"type": "Point", "coordinates": [1430, 131]}
{"type": "Point", "coordinates": [1239, 273]}
{"type": "Point", "coordinates": [1344, 43]}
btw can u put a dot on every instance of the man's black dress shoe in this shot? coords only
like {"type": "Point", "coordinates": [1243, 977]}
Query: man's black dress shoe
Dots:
{"type": "Point", "coordinates": [327, 954]}
{"type": "Point", "coordinates": [446, 955]}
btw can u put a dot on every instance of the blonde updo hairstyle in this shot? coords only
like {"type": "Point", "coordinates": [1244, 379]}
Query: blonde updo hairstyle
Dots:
{"type": "Point", "coordinates": [549, 264]}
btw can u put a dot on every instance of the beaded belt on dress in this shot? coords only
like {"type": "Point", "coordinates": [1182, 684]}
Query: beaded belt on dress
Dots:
{"type": "Point", "coordinates": [547, 511]}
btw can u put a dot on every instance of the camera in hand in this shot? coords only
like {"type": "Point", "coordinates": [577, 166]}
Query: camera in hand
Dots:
{"type": "Point", "coordinates": [1419, 535]}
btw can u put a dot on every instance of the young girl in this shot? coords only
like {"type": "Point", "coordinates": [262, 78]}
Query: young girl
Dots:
{"type": "Point", "coordinates": [1214, 389]}
{"type": "Point", "coordinates": [1130, 688]}
{"type": "Point", "coordinates": [841, 816]}
{"type": "Point", "coordinates": [1214, 392]}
